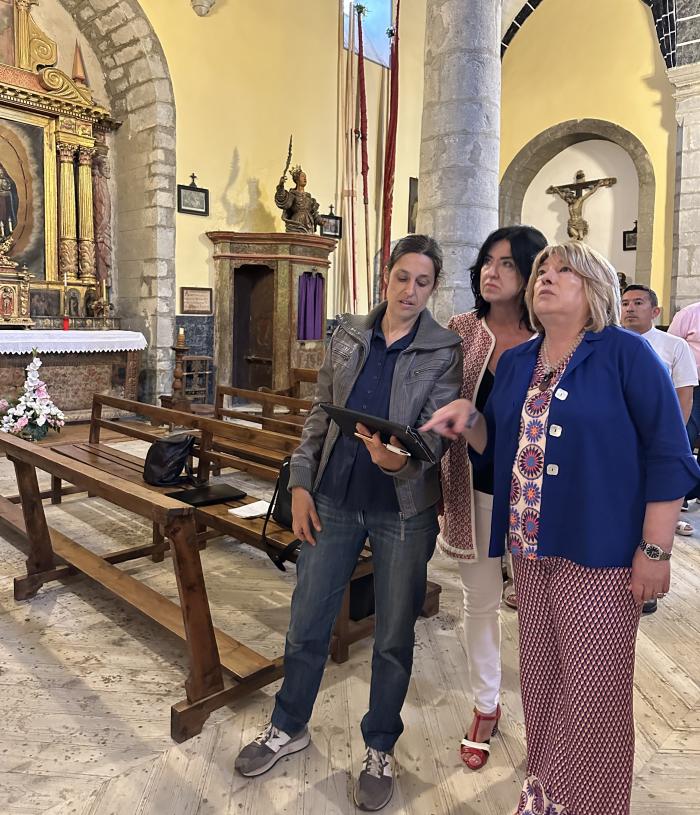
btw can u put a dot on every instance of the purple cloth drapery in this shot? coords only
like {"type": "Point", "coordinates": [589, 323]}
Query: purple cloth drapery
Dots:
{"type": "Point", "coordinates": [310, 316]}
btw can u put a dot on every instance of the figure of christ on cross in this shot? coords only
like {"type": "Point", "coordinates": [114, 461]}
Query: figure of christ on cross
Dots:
{"type": "Point", "coordinates": [574, 195]}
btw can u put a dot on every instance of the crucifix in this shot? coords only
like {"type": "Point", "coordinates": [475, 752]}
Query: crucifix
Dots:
{"type": "Point", "coordinates": [574, 195]}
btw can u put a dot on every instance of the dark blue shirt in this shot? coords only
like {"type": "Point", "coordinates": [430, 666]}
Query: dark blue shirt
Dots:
{"type": "Point", "coordinates": [351, 479]}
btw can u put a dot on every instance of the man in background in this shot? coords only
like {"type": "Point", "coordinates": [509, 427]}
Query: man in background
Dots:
{"type": "Point", "coordinates": [640, 307]}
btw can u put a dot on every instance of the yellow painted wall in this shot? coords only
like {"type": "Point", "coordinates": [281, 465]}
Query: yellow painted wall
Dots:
{"type": "Point", "coordinates": [598, 59]}
{"type": "Point", "coordinates": [247, 76]}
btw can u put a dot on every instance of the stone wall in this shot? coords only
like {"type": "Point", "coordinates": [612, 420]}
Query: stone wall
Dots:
{"type": "Point", "coordinates": [141, 97]}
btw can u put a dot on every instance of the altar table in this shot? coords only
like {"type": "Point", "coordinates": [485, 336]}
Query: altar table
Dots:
{"type": "Point", "coordinates": [75, 364]}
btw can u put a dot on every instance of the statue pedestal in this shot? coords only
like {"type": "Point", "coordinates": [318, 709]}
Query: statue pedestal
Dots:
{"type": "Point", "coordinates": [256, 296]}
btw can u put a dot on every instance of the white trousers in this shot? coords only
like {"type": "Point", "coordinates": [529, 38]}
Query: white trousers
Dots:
{"type": "Point", "coordinates": [482, 582]}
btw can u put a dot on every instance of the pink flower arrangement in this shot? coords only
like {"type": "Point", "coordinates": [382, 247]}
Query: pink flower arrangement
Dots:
{"type": "Point", "coordinates": [33, 414]}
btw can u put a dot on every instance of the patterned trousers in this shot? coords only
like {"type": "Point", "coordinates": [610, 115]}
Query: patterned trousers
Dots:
{"type": "Point", "coordinates": [577, 635]}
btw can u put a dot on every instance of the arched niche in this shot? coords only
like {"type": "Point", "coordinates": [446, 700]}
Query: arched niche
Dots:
{"type": "Point", "coordinates": [537, 152]}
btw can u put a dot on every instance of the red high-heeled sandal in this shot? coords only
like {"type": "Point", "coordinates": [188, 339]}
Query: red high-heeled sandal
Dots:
{"type": "Point", "coordinates": [475, 754]}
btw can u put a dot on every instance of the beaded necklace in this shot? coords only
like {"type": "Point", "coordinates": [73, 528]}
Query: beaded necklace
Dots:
{"type": "Point", "coordinates": [546, 370]}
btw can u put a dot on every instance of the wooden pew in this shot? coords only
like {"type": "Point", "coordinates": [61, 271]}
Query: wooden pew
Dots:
{"type": "Point", "coordinates": [209, 650]}
{"type": "Point", "coordinates": [290, 422]}
{"type": "Point", "coordinates": [216, 440]}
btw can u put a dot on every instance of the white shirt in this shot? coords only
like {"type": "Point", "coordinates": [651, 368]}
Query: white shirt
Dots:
{"type": "Point", "coordinates": [676, 355]}
{"type": "Point", "coordinates": [686, 324]}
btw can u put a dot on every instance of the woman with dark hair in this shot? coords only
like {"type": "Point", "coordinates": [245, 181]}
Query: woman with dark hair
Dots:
{"type": "Point", "coordinates": [395, 363]}
{"type": "Point", "coordinates": [499, 321]}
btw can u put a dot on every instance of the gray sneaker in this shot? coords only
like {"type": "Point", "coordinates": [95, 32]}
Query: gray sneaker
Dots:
{"type": "Point", "coordinates": [268, 748]}
{"type": "Point", "coordinates": [375, 784]}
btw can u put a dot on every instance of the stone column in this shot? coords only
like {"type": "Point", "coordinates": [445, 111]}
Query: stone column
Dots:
{"type": "Point", "coordinates": [86, 235]}
{"type": "Point", "coordinates": [67, 242]}
{"type": "Point", "coordinates": [685, 286]}
{"type": "Point", "coordinates": [458, 196]}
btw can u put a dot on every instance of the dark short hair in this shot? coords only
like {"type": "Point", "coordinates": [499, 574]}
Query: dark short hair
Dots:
{"type": "Point", "coordinates": [641, 287]}
{"type": "Point", "coordinates": [419, 245]}
{"type": "Point", "coordinates": [525, 243]}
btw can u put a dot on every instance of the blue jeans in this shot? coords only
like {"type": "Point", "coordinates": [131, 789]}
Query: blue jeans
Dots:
{"type": "Point", "coordinates": [693, 428]}
{"type": "Point", "coordinates": [401, 550]}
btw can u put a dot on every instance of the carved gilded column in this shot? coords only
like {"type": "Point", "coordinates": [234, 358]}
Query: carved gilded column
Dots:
{"type": "Point", "coordinates": [67, 239]}
{"type": "Point", "coordinates": [86, 235]}
{"type": "Point", "coordinates": [23, 7]}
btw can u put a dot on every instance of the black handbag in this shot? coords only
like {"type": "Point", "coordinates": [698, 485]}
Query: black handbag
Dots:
{"type": "Point", "coordinates": [167, 458]}
{"type": "Point", "coordinates": [280, 510]}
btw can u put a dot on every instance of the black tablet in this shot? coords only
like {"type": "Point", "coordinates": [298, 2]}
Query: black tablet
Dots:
{"type": "Point", "coordinates": [409, 437]}
{"type": "Point", "coordinates": [208, 494]}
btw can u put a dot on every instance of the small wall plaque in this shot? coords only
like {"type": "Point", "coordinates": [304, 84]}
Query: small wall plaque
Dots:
{"type": "Point", "coordinates": [195, 300]}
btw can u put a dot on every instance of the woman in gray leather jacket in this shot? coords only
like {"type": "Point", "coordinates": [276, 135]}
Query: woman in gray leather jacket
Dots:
{"type": "Point", "coordinates": [398, 363]}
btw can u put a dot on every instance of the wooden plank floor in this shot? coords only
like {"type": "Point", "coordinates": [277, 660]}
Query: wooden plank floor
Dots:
{"type": "Point", "coordinates": [86, 687]}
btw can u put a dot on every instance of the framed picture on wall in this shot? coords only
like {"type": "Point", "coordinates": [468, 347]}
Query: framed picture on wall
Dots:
{"type": "Point", "coordinates": [195, 300]}
{"type": "Point", "coordinates": [331, 225]}
{"type": "Point", "coordinates": [192, 200]}
{"type": "Point", "coordinates": [629, 239]}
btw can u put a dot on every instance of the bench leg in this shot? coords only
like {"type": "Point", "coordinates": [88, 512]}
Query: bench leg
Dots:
{"type": "Point", "coordinates": [340, 640]}
{"type": "Point", "coordinates": [55, 489]}
{"type": "Point", "coordinates": [431, 604]}
{"type": "Point", "coordinates": [41, 556]}
{"type": "Point", "coordinates": [159, 542]}
{"type": "Point", "coordinates": [205, 675]}
{"type": "Point", "coordinates": [187, 718]}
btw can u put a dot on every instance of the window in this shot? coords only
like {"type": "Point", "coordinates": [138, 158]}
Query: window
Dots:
{"type": "Point", "coordinates": [375, 23]}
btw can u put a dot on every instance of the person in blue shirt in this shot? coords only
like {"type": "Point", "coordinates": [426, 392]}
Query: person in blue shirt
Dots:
{"type": "Point", "coordinates": [396, 363]}
{"type": "Point", "coordinates": [591, 461]}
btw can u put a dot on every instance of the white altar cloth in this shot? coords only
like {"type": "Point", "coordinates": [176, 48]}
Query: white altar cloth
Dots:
{"type": "Point", "coordinates": [67, 342]}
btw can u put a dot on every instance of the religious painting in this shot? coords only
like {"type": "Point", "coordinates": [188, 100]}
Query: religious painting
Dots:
{"type": "Point", "coordinates": [330, 226]}
{"type": "Point", "coordinates": [375, 22]}
{"type": "Point", "coordinates": [45, 303]}
{"type": "Point", "coordinates": [629, 239]}
{"type": "Point", "coordinates": [412, 204]}
{"type": "Point", "coordinates": [28, 190]}
{"type": "Point", "coordinates": [7, 32]}
{"type": "Point", "coordinates": [192, 200]}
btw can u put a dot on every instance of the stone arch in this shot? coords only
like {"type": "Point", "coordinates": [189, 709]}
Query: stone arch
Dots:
{"type": "Point", "coordinates": [141, 97]}
{"type": "Point", "coordinates": [537, 152]}
{"type": "Point", "coordinates": [515, 13]}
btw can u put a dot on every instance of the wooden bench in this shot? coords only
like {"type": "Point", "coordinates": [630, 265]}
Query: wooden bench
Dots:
{"type": "Point", "coordinates": [297, 376]}
{"type": "Point", "coordinates": [220, 445]}
{"type": "Point", "coordinates": [289, 422]}
{"type": "Point", "coordinates": [209, 650]}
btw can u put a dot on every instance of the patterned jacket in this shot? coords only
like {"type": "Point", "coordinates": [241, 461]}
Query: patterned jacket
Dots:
{"type": "Point", "coordinates": [457, 523]}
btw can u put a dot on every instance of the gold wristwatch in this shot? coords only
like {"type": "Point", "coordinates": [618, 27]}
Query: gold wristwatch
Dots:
{"type": "Point", "coordinates": [654, 552]}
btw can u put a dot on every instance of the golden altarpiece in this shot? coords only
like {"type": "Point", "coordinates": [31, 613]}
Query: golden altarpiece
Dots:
{"type": "Point", "coordinates": [52, 139]}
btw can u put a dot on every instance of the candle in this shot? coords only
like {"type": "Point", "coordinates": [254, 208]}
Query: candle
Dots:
{"type": "Point", "coordinates": [9, 229]}
{"type": "Point", "coordinates": [104, 290]}
{"type": "Point", "coordinates": [181, 333]}
{"type": "Point", "coordinates": [65, 278]}
{"type": "Point", "coordinates": [2, 229]}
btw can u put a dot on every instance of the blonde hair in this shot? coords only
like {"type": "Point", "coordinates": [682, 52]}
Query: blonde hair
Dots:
{"type": "Point", "coordinates": [600, 283]}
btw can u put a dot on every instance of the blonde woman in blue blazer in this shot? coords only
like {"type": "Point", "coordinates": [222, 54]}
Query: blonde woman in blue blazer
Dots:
{"type": "Point", "coordinates": [591, 461]}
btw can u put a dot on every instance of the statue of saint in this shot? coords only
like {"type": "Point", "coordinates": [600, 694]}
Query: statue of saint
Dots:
{"type": "Point", "coordinates": [299, 208]}
{"type": "Point", "coordinates": [574, 195]}
{"type": "Point", "coordinates": [102, 213]}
